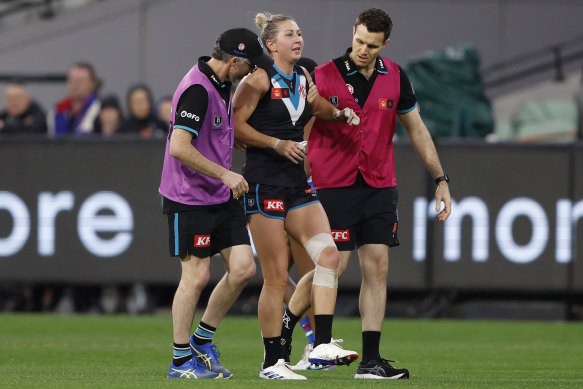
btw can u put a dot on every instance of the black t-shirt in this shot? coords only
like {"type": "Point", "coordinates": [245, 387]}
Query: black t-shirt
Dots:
{"type": "Point", "coordinates": [190, 114]}
{"type": "Point", "coordinates": [193, 103]}
{"type": "Point", "coordinates": [362, 86]}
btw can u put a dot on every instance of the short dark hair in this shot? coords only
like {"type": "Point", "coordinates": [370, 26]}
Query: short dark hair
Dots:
{"type": "Point", "coordinates": [375, 20]}
{"type": "Point", "coordinates": [91, 70]}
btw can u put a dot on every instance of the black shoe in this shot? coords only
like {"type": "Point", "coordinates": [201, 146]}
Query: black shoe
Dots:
{"type": "Point", "coordinates": [287, 347]}
{"type": "Point", "coordinates": [380, 369]}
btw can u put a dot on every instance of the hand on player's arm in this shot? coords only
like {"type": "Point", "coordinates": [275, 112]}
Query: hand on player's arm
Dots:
{"type": "Point", "coordinates": [324, 110]}
{"type": "Point", "coordinates": [182, 149]}
{"type": "Point", "coordinates": [425, 148]}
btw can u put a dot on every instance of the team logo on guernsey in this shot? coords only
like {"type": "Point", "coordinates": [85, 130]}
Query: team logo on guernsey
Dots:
{"type": "Point", "coordinates": [202, 240]}
{"type": "Point", "coordinates": [385, 103]}
{"type": "Point", "coordinates": [273, 205]}
{"type": "Point", "coordinates": [333, 100]}
{"type": "Point", "coordinates": [341, 235]}
{"type": "Point", "coordinates": [302, 91]}
{"type": "Point", "coordinates": [350, 88]}
{"type": "Point", "coordinates": [218, 121]}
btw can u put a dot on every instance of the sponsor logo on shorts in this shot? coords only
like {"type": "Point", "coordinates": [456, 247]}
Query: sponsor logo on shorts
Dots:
{"type": "Point", "coordinates": [202, 240]}
{"type": "Point", "coordinates": [385, 103]}
{"type": "Point", "coordinates": [273, 205]}
{"type": "Point", "coordinates": [333, 100]}
{"type": "Point", "coordinates": [394, 228]}
{"type": "Point", "coordinates": [341, 235]}
{"type": "Point", "coordinates": [310, 191]}
{"type": "Point", "coordinates": [218, 121]}
{"type": "Point", "coordinates": [279, 93]}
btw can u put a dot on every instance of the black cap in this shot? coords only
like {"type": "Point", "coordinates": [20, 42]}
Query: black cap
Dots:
{"type": "Point", "coordinates": [242, 42]}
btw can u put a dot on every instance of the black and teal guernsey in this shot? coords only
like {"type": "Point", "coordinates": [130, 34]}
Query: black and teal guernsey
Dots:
{"type": "Point", "coordinates": [282, 112]}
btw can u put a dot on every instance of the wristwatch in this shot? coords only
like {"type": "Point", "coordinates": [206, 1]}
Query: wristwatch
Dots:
{"type": "Point", "coordinates": [442, 178]}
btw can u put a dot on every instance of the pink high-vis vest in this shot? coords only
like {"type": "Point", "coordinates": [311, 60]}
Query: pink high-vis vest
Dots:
{"type": "Point", "coordinates": [337, 151]}
{"type": "Point", "coordinates": [215, 142]}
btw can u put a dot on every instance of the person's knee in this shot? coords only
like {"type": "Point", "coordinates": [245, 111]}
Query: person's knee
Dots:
{"type": "Point", "coordinates": [322, 249]}
{"type": "Point", "coordinates": [375, 268]}
{"type": "Point", "coordinates": [196, 281]}
{"type": "Point", "coordinates": [244, 270]}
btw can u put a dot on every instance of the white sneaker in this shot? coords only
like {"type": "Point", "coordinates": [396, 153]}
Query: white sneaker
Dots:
{"type": "Point", "coordinates": [304, 363]}
{"type": "Point", "coordinates": [279, 371]}
{"type": "Point", "coordinates": [332, 354]}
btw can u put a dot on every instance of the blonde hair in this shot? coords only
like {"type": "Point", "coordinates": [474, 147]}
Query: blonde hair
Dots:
{"type": "Point", "coordinates": [268, 25]}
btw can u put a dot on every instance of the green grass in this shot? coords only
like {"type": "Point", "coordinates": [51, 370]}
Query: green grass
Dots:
{"type": "Point", "coordinates": [122, 351]}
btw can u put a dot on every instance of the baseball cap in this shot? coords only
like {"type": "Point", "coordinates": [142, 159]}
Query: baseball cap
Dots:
{"type": "Point", "coordinates": [242, 42]}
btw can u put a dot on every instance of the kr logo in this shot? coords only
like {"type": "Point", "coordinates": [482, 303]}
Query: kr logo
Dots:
{"type": "Point", "coordinates": [273, 205]}
{"type": "Point", "coordinates": [202, 240]}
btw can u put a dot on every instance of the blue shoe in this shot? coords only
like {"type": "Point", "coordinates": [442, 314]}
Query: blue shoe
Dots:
{"type": "Point", "coordinates": [208, 354]}
{"type": "Point", "coordinates": [192, 369]}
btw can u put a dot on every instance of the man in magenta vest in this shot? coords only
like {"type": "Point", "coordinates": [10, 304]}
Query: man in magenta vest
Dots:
{"type": "Point", "coordinates": [199, 197]}
{"type": "Point", "coordinates": [353, 170]}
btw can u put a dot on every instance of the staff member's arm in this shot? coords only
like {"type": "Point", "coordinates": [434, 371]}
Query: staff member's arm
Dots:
{"type": "Point", "coordinates": [182, 149]}
{"type": "Point", "coordinates": [248, 93]}
{"type": "Point", "coordinates": [324, 110]}
{"type": "Point", "coordinates": [425, 148]}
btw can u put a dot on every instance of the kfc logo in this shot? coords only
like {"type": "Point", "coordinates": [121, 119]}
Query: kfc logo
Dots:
{"type": "Point", "coordinates": [202, 240]}
{"type": "Point", "coordinates": [273, 205]}
{"type": "Point", "coordinates": [341, 235]}
{"type": "Point", "coordinates": [280, 93]}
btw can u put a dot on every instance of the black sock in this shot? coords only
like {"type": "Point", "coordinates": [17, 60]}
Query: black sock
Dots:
{"type": "Point", "coordinates": [323, 329]}
{"type": "Point", "coordinates": [370, 345]}
{"type": "Point", "coordinates": [181, 354]}
{"type": "Point", "coordinates": [204, 333]}
{"type": "Point", "coordinates": [289, 323]}
{"type": "Point", "coordinates": [272, 351]}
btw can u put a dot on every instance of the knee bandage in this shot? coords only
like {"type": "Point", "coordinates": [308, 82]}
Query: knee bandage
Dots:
{"type": "Point", "coordinates": [325, 277]}
{"type": "Point", "coordinates": [316, 244]}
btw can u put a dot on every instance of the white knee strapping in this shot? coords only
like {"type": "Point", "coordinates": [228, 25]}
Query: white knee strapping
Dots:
{"type": "Point", "coordinates": [316, 244]}
{"type": "Point", "coordinates": [325, 277]}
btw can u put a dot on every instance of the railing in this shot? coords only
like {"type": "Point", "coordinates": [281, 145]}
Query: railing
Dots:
{"type": "Point", "coordinates": [44, 7]}
{"type": "Point", "coordinates": [554, 57]}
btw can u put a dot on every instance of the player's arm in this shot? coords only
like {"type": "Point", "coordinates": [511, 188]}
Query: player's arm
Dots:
{"type": "Point", "coordinates": [187, 124]}
{"type": "Point", "coordinates": [251, 89]}
{"type": "Point", "coordinates": [425, 148]}
{"type": "Point", "coordinates": [323, 109]}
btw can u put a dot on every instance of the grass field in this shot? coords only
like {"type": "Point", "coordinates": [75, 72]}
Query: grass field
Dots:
{"type": "Point", "coordinates": [121, 351]}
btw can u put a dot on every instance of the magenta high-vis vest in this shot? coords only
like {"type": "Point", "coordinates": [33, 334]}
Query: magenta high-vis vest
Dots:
{"type": "Point", "coordinates": [215, 142]}
{"type": "Point", "coordinates": [337, 151]}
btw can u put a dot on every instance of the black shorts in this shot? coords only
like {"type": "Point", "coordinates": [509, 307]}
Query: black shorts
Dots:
{"type": "Point", "coordinates": [276, 201]}
{"type": "Point", "coordinates": [207, 230]}
{"type": "Point", "coordinates": [360, 214]}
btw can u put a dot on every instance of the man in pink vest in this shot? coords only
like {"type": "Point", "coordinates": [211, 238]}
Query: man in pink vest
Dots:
{"type": "Point", "coordinates": [353, 170]}
{"type": "Point", "coordinates": [199, 196]}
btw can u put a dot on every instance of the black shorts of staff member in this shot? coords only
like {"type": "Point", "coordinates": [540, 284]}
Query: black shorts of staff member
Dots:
{"type": "Point", "coordinates": [206, 230]}
{"type": "Point", "coordinates": [276, 201]}
{"type": "Point", "coordinates": [360, 214]}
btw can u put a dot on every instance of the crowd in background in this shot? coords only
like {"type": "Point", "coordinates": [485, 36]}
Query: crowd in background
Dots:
{"type": "Point", "coordinates": [84, 112]}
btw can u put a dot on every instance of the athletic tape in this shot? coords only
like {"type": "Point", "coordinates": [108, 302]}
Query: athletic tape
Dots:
{"type": "Point", "coordinates": [317, 243]}
{"type": "Point", "coordinates": [325, 277]}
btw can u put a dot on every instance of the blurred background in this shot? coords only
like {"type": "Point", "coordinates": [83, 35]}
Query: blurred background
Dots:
{"type": "Point", "coordinates": [499, 86]}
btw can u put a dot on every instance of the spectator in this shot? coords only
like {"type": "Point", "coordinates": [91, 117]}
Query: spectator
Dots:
{"type": "Point", "coordinates": [75, 114]}
{"type": "Point", "coordinates": [21, 115]}
{"type": "Point", "coordinates": [141, 117]}
{"type": "Point", "coordinates": [164, 110]}
{"type": "Point", "coordinates": [110, 118]}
